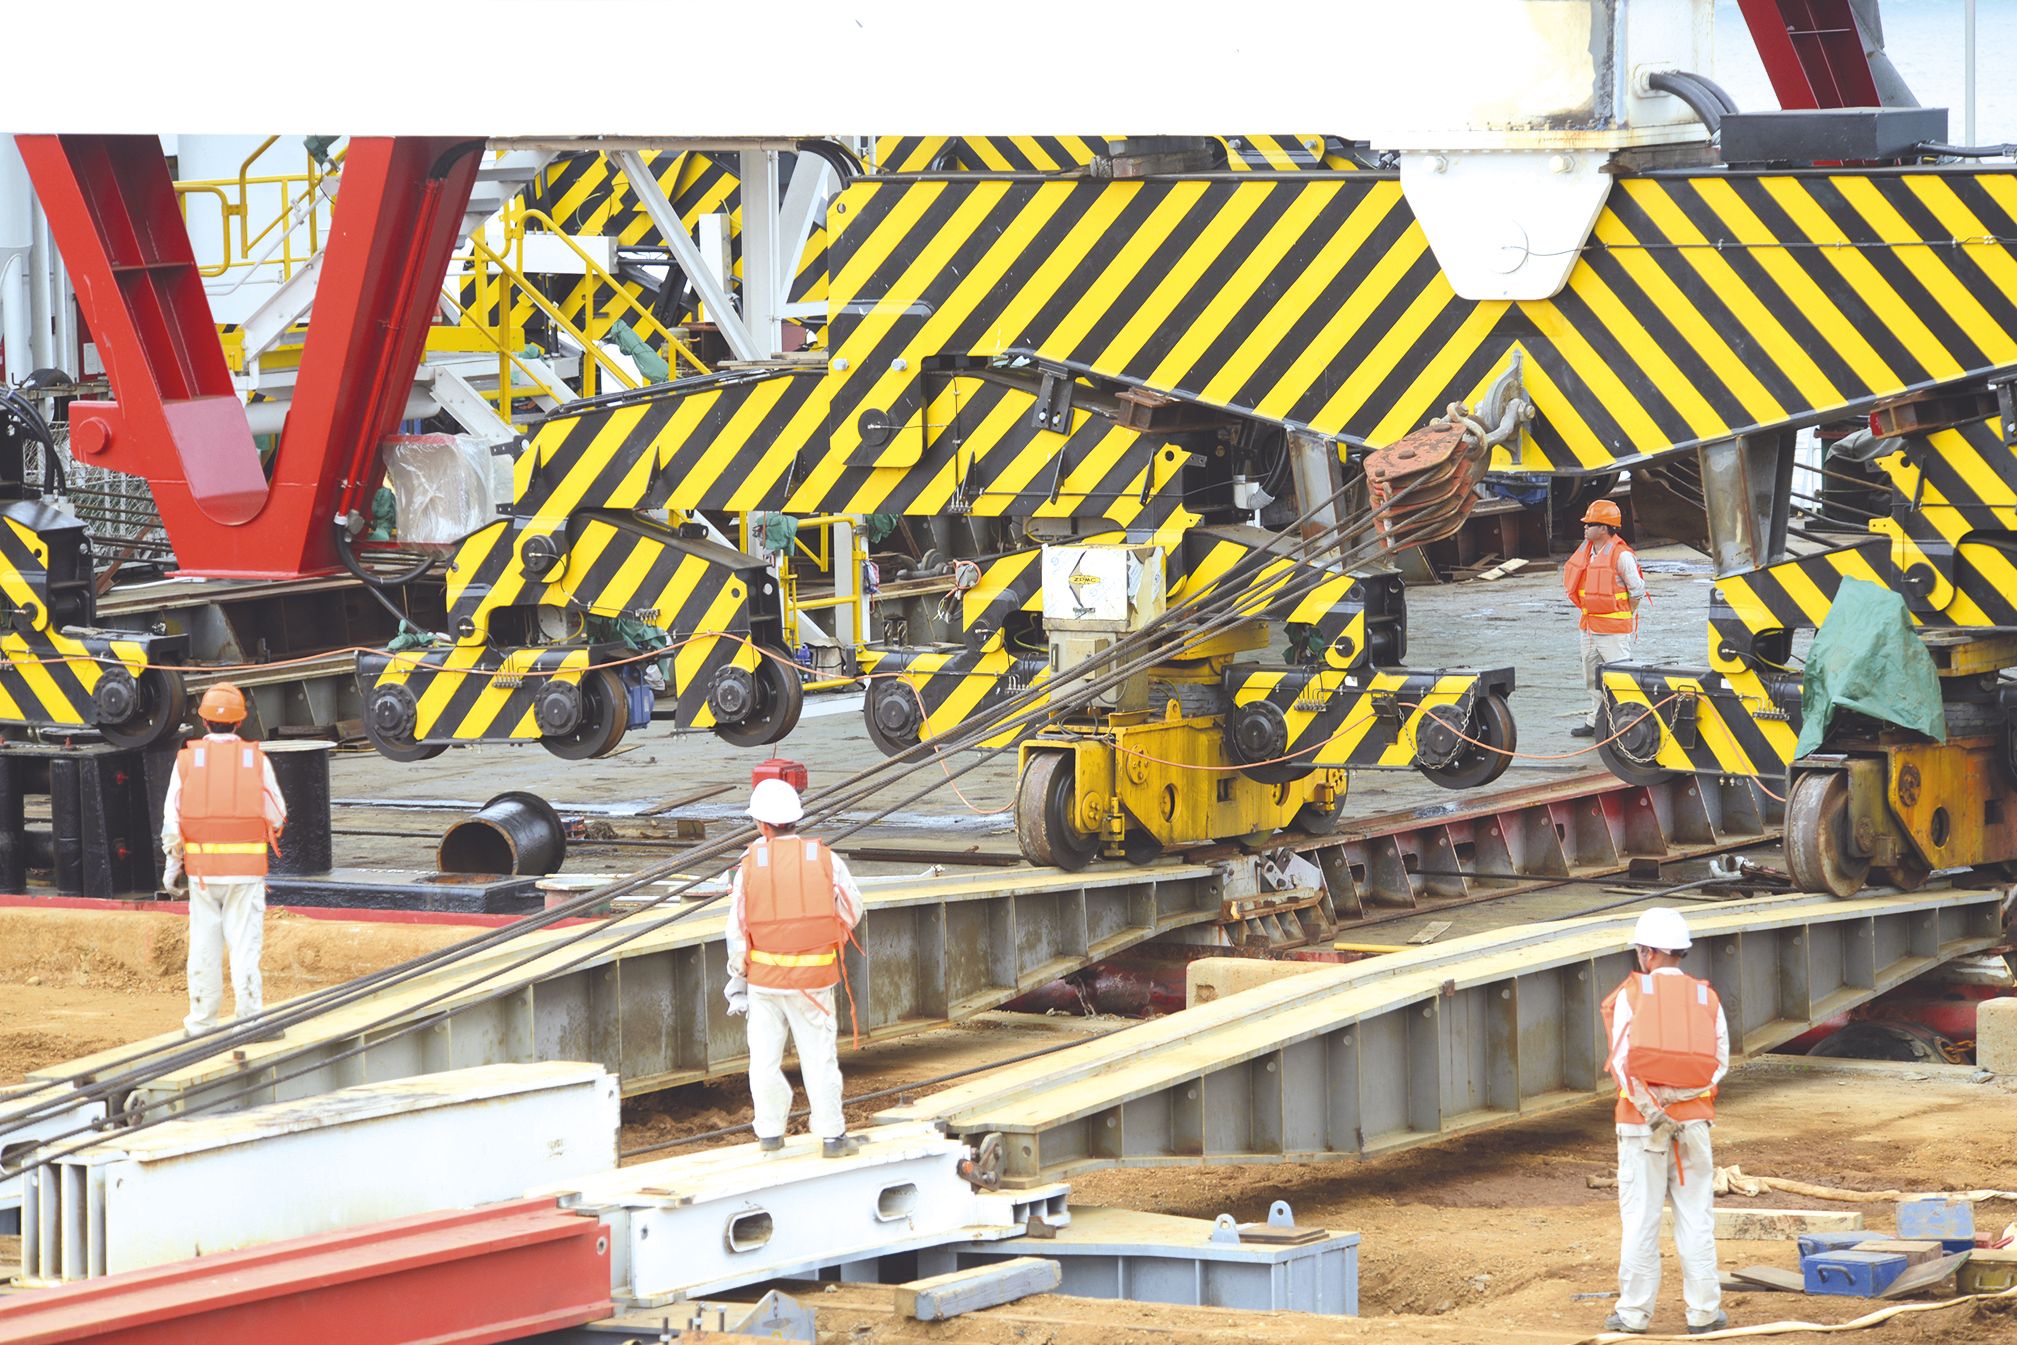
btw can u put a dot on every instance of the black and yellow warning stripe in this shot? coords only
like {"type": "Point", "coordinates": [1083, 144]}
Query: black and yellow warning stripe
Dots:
{"type": "Point", "coordinates": [1056, 154]}
{"type": "Point", "coordinates": [49, 677]}
{"type": "Point", "coordinates": [744, 442]}
{"type": "Point", "coordinates": [1703, 305]}
{"type": "Point", "coordinates": [474, 692]}
{"type": "Point", "coordinates": [958, 684]}
{"type": "Point", "coordinates": [1324, 610]}
{"type": "Point", "coordinates": [1709, 723]}
{"type": "Point", "coordinates": [1368, 718]}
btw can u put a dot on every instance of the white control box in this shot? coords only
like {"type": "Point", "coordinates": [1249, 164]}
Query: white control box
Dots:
{"type": "Point", "coordinates": [1101, 586]}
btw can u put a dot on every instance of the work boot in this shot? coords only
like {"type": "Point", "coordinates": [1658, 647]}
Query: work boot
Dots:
{"type": "Point", "coordinates": [1722, 1320]}
{"type": "Point", "coordinates": [1583, 731]}
{"type": "Point", "coordinates": [1616, 1323]}
{"type": "Point", "coordinates": [770, 1144]}
{"type": "Point", "coordinates": [840, 1146]}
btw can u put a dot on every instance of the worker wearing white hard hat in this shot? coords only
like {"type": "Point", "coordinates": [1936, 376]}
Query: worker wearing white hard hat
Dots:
{"type": "Point", "coordinates": [792, 907]}
{"type": "Point", "coordinates": [1669, 1048]}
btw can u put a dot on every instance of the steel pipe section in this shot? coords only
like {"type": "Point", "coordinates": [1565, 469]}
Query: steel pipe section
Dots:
{"type": "Point", "coordinates": [1411, 1047]}
{"type": "Point", "coordinates": [514, 833]}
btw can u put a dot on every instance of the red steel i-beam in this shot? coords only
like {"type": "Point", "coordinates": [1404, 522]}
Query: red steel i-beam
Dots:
{"type": "Point", "coordinates": [1812, 51]}
{"type": "Point", "coordinates": [177, 421]}
{"type": "Point", "coordinates": [467, 1277]}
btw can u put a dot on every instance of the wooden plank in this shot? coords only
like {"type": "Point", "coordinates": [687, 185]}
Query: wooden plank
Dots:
{"type": "Point", "coordinates": [1917, 1278]}
{"type": "Point", "coordinates": [1771, 1277]}
{"type": "Point", "coordinates": [962, 1291]}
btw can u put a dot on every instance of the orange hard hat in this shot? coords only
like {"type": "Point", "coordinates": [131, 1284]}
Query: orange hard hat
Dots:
{"type": "Point", "coordinates": [222, 704]}
{"type": "Point", "coordinates": [1604, 511]}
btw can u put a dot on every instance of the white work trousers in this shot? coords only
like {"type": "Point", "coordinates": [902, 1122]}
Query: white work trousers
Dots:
{"type": "Point", "coordinates": [1598, 650]}
{"type": "Point", "coordinates": [1646, 1182]}
{"type": "Point", "coordinates": [224, 913]}
{"type": "Point", "coordinates": [808, 1016]}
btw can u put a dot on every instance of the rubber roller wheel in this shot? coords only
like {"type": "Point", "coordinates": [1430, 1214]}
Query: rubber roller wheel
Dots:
{"type": "Point", "coordinates": [605, 713]}
{"type": "Point", "coordinates": [780, 697]}
{"type": "Point", "coordinates": [1817, 836]}
{"type": "Point", "coordinates": [401, 749]}
{"type": "Point", "coordinates": [1047, 803]}
{"type": "Point", "coordinates": [163, 703]}
{"type": "Point", "coordinates": [1492, 725]}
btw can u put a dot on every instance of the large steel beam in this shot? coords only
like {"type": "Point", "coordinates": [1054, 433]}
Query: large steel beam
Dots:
{"type": "Point", "coordinates": [643, 996]}
{"type": "Point", "coordinates": [496, 1273]}
{"type": "Point", "coordinates": [1413, 1047]}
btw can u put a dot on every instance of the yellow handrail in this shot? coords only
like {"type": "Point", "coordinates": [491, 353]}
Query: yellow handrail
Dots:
{"type": "Point", "coordinates": [516, 218]}
{"type": "Point", "coordinates": [552, 310]}
{"type": "Point", "coordinates": [293, 188]}
{"type": "Point", "coordinates": [502, 350]}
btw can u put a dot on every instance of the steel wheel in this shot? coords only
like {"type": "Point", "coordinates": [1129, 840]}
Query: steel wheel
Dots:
{"type": "Point", "coordinates": [1627, 757]}
{"type": "Point", "coordinates": [163, 705]}
{"type": "Point", "coordinates": [780, 696]}
{"type": "Point", "coordinates": [605, 713]}
{"type": "Point", "coordinates": [1321, 821]}
{"type": "Point", "coordinates": [1046, 807]}
{"type": "Point", "coordinates": [1817, 836]}
{"type": "Point", "coordinates": [1491, 722]}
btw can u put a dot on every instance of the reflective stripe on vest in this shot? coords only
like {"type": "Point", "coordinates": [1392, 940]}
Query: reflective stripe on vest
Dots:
{"type": "Point", "coordinates": [1591, 581]}
{"type": "Point", "coordinates": [222, 809]}
{"type": "Point", "coordinates": [790, 923]}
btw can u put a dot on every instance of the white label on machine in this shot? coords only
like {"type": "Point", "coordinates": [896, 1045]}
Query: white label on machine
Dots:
{"type": "Point", "coordinates": [1102, 586]}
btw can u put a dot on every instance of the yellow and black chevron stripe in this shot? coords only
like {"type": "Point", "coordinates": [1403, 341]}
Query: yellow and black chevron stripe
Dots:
{"type": "Point", "coordinates": [1323, 612]}
{"type": "Point", "coordinates": [1364, 719]}
{"type": "Point", "coordinates": [1057, 154]}
{"type": "Point", "coordinates": [476, 692]}
{"type": "Point", "coordinates": [1704, 304]}
{"type": "Point", "coordinates": [744, 442]}
{"type": "Point", "coordinates": [955, 685]}
{"type": "Point", "coordinates": [1707, 723]}
{"type": "Point", "coordinates": [49, 677]}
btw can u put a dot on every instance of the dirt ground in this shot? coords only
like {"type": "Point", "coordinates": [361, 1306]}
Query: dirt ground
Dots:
{"type": "Point", "coordinates": [77, 981]}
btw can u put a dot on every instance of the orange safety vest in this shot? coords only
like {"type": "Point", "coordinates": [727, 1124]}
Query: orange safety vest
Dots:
{"type": "Point", "coordinates": [789, 921]}
{"type": "Point", "coordinates": [1591, 581]}
{"type": "Point", "coordinates": [1671, 1040]}
{"type": "Point", "coordinates": [224, 829]}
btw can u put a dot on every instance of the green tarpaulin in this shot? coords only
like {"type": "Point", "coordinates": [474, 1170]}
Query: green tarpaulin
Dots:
{"type": "Point", "coordinates": [1867, 657]}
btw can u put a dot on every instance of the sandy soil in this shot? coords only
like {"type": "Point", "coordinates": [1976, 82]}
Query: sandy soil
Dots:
{"type": "Point", "coordinates": [77, 981]}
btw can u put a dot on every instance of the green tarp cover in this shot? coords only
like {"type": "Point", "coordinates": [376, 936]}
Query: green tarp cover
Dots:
{"type": "Point", "coordinates": [1867, 657]}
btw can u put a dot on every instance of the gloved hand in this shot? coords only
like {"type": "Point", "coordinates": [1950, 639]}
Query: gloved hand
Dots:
{"type": "Point", "coordinates": [172, 879]}
{"type": "Point", "coordinates": [737, 993]}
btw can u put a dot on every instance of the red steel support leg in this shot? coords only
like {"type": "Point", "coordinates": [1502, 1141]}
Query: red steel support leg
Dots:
{"type": "Point", "coordinates": [468, 1277]}
{"type": "Point", "coordinates": [112, 211]}
{"type": "Point", "coordinates": [1813, 52]}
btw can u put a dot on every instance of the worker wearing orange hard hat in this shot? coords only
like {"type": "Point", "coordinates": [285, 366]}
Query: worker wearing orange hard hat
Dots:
{"type": "Point", "coordinates": [222, 815]}
{"type": "Point", "coordinates": [1602, 579]}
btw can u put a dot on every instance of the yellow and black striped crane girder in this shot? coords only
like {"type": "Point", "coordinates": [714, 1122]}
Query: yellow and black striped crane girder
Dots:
{"type": "Point", "coordinates": [1705, 304]}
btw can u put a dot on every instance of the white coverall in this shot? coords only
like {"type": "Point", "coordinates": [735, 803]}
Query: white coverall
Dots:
{"type": "Point", "coordinates": [807, 1015]}
{"type": "Point", "coordinates": [1648, 1181]}
{"type": "Point", "coordinates": [223, 913]}
{"type": "Point", "coordinates": [1599, 649]}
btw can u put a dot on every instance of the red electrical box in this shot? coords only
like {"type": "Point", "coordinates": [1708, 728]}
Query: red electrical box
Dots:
{"type": "Point", "coordinates": [780, 768]}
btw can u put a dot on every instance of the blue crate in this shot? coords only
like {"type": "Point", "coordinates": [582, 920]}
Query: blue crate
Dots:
{"type": "Point", "coordinates": [1937, 1218]}
{"type": "Point", "coordinates": [1813, 1244]}
{"type": "Point", "coordinates": [1852, 1274]}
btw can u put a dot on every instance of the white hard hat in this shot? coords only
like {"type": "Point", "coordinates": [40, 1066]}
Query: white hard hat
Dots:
{"type": "Point", "coordinates": [1663, 928]}
{"type": "Point", "coordinates": [775, 802]}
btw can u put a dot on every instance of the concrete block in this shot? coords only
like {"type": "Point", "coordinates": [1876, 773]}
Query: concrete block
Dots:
{"type": "Point", "coordinates": [989, 1286]}
{"type": "Point", "coordinates": [1211, 978]}
{"type": "Point", "coordinates": [1996, 1036]}
{"type": "Point", "coordinates": [1761, 1225]}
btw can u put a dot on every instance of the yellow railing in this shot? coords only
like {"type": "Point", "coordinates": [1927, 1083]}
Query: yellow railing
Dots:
{"type": "Point", "coordinates": [518, 215]}
{"type": "Point", "coordinates": [855, 603]}
{"type": "Point", "coordinates": [251, 251]}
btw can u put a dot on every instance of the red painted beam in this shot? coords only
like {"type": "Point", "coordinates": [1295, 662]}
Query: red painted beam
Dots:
{"type": "Point", "coordinates": [1812, 52]}
{"type": "Point", "coordinates": [177, 421]}
{"type": "Point", "coordinates": [467, 1277]}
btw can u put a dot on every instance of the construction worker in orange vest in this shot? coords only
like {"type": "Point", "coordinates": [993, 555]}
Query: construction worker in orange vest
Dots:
{"type": "Point", "coordinates": [1602, 579]}
{"type": "Point", "coordinates": [1670, 1047]}
{"type": "Point", "coordinates": [222, 813]}
{"type": "Point", "coordinates": [792, 905]}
